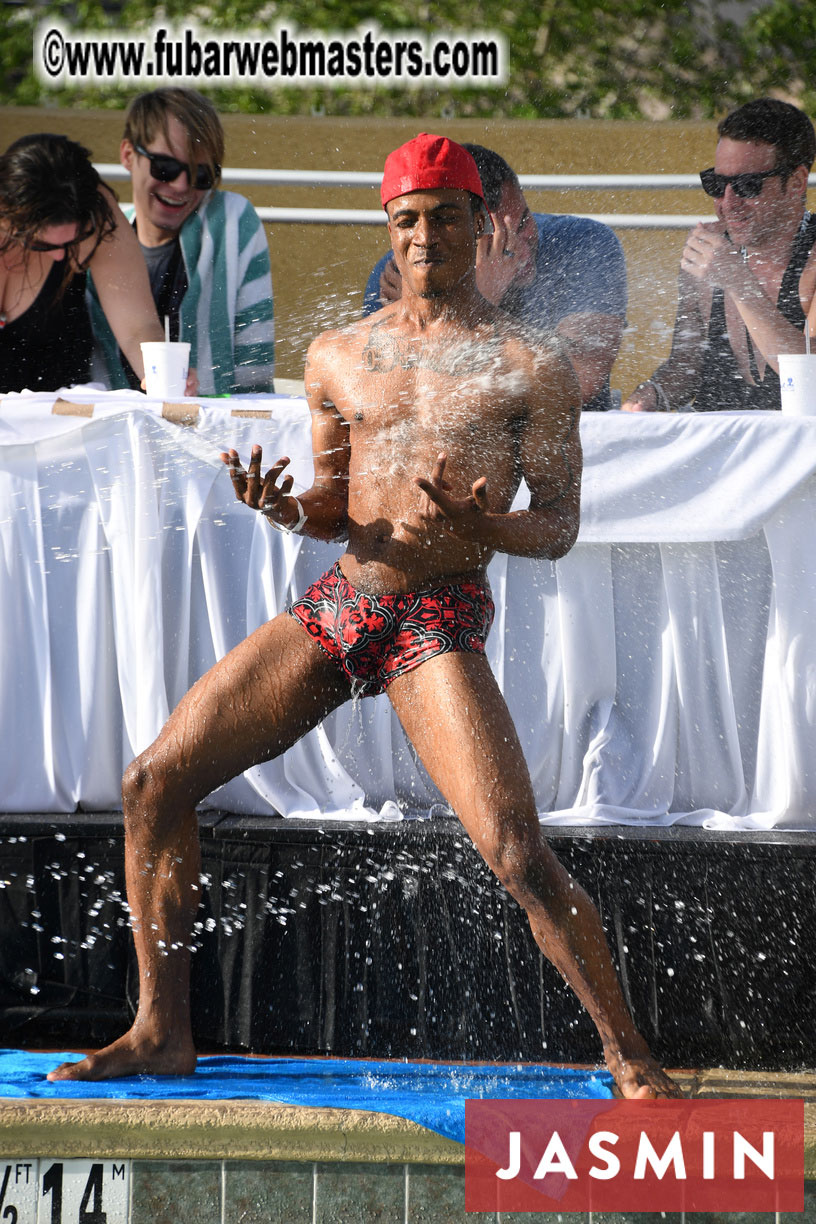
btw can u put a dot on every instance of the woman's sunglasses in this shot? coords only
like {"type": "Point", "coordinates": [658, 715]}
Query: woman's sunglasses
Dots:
{"type": "Point", "coordinates": [746, 186]}
{"type": "Point", "coordinates": [166, 169]}
{"type": "Point", "coordinates": [33, 244]}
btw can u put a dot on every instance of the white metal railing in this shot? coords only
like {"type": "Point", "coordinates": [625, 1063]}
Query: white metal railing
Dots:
{"type": "Point", "coordinates": [372, 216]}
{"type": "Point", "coordinates": [115, 173]}
{"type": "Point", "coordinates": [366, 178]}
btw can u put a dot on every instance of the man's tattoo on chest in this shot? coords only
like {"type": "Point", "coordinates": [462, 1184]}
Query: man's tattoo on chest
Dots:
{"type": "Point", "coordinates": [384, 352]}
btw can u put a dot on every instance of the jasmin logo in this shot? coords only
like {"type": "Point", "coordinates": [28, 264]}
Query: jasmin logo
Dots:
{"type": "Point", "coordinates": [704, 1155]}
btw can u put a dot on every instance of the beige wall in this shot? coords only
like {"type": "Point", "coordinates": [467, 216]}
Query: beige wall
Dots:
{"type": "Point", "coordinates": [319, 271]}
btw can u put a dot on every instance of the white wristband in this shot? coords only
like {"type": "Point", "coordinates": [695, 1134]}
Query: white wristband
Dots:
{"type": "Point", "coordinates": [297, 527]}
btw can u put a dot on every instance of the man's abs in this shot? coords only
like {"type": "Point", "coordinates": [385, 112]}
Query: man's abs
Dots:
{"type": "Point", "coordinates": [387, 558]}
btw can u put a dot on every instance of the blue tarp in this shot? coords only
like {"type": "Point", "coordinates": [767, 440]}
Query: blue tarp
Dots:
{"type": "Point", "coordinates": [432, 1094]}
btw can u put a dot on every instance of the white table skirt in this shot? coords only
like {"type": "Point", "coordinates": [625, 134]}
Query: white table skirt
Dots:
{"type": "Point", "coordinates": [663, 672]}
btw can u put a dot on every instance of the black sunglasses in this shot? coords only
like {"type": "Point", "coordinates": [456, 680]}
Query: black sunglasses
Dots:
{"type": "Point", "coordinates": [746, 186]}
{"type": "Point", "coordinates": [33, 245]}
{"type": "Point", "coordinates": [165, 169]}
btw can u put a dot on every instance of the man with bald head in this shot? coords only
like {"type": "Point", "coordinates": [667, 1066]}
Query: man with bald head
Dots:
{"type": "Point", "coordinates": [425, 417]}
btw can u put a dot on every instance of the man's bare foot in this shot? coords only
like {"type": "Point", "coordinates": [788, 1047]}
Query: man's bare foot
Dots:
{"type": "Point", "coordinates": [131, 1055]}
{"type": "Point", "coordinates": [640, 1077]}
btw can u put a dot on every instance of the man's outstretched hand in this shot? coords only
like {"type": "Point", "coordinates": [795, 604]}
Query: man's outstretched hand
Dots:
{"type": "Point", "coordinates": [464, 516]}
{"type": "Point", "coordinates": [263, 493]}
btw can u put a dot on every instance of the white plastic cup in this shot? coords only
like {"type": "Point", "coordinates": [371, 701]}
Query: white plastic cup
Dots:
{"type": "Point", "coordinates": [797, 383]}
{"type": "Point", "coordinates": [166, 363]}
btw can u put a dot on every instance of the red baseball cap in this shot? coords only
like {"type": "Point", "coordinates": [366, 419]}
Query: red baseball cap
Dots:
{"type": "Point", "coordinates": [427, 162]}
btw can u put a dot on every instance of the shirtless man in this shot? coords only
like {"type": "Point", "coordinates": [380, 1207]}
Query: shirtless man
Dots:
{"type": "Point", "coordinates": [551, 271]}
{"type": "Point", "coordinates": [424, 419]}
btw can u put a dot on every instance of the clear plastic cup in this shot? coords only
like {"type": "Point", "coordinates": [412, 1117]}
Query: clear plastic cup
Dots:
{"type": "Point", "coordinates": [166, 363]}
{"type": "Point", "coordinates": [797, 383]}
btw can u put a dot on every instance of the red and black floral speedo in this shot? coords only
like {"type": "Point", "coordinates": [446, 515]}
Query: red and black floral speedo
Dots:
{"type": "Point", "coordinates": [374, 639]}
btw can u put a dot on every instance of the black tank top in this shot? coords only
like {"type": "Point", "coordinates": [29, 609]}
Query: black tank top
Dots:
{"type": "Point", "coordinates": [49, 345]}
{"type": "Point", "coordinates": [722, 386]}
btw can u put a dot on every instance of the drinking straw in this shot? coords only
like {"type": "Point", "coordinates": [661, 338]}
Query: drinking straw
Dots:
{"type": "Point", "coordinates": [167, 328]}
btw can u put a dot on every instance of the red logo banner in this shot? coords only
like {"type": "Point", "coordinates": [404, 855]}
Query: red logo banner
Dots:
{"type": "Point", "coordinates": [690, 1155]}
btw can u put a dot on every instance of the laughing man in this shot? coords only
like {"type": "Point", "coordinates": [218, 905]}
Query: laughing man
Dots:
{"type": "Point", "coordinates": [205, 249]}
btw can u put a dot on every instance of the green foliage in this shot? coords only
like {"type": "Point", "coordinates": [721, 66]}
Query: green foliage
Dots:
{"type": "Point", "coordinates": [623, 59]}
{"type": "Point", "coordinates": [780, 49]}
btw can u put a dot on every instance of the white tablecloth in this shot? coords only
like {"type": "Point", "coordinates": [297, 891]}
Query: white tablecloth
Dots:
{"type": "Point", "coordinates": [664, 671]}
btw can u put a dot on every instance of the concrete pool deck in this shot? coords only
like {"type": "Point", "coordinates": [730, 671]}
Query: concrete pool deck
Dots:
{"type": "Point", "coordinates": [258, 1162]}
{"type": "Point", "coordinates": [263, 1130]}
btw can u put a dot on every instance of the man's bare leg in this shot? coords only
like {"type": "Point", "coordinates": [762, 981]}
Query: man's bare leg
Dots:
{"type": "Point", "coordinates": [454, 714]}
{"type": "Point", "coordinates": [250, 707]}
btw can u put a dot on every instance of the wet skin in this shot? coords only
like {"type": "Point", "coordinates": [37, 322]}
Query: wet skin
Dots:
{"type": "Point", "coordinates": [506, 262]}
{"type": "Point", "coordinates": [425, 417]}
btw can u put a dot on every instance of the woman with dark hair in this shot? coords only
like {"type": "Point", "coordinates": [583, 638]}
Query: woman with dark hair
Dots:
{"type": "Point", "coordinates": [57, 221]}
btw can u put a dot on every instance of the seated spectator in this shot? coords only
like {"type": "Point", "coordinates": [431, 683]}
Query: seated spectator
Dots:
{"type": "Point", "coordinates": [206, 251]}
{"type": "Point", "coordinates": [557, 273]}
{"type": "Point", "coordinates": [57, 221]}
{"type": "Point", "coordinates": [747, 280]}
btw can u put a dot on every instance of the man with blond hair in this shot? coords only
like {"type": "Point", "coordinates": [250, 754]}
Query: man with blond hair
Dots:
{"type": "Point", "coordinates": [205, 249]}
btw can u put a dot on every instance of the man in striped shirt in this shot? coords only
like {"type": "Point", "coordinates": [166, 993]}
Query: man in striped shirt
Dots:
{"type": "Point", "coordinates": [205, 249]}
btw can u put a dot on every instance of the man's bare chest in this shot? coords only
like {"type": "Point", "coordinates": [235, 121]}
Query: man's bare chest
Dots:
{"type": "Point", "coordinates": [450, 355]}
